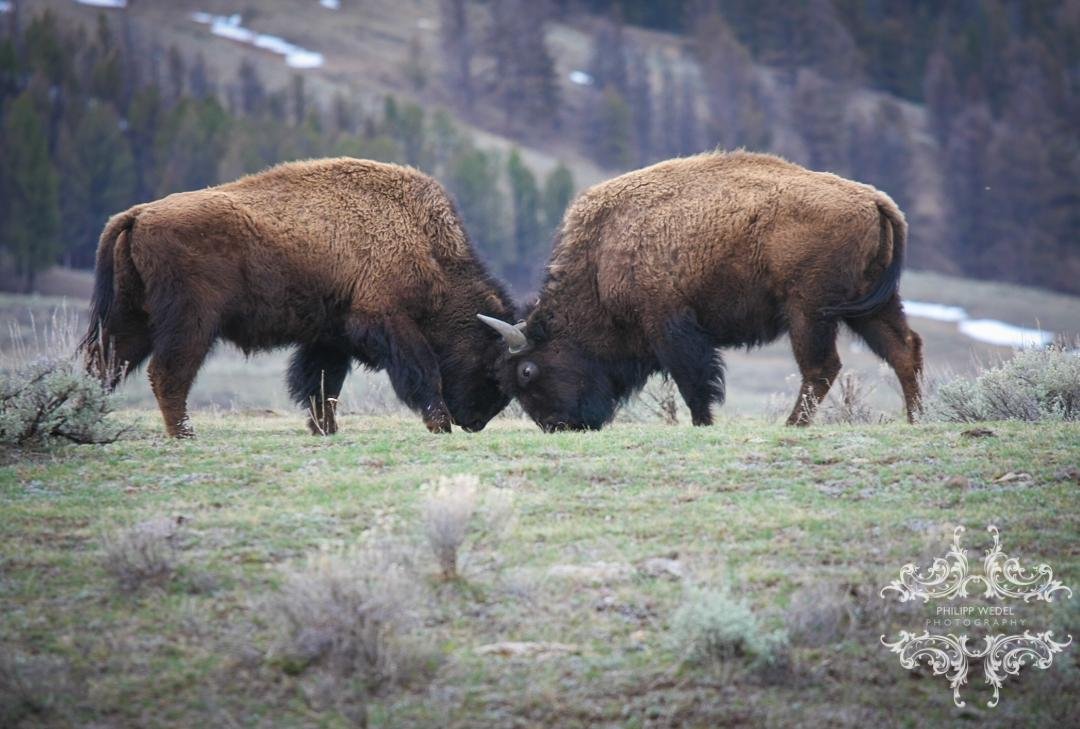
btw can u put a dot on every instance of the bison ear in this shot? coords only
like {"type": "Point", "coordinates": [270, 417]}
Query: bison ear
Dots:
{"type": "Point", "coordinates": [512, 334]}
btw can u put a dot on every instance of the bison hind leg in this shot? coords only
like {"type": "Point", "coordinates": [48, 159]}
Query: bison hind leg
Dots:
{"type": "Point", "coordinates": [813, 340]}
{"type": "Point", "coordinates": [316, 375]}
{"type": "Point", "coordinates": [887, 334]}
{"type": "Point", "coordinates": [687, 352]}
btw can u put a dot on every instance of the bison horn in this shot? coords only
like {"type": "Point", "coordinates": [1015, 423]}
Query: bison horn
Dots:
{"type": "Point", "coordinates": [512, 334]}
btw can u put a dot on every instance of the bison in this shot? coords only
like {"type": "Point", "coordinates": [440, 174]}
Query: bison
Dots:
{"type": "Point", "coordinates": [655, 270]}
{"type": "Point", "coordinates": [347, 259]}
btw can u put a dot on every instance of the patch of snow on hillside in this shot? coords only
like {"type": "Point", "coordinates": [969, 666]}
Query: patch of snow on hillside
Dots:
{"type": "Point", "coordinates": [228, 26]}
{"type": "Point", "coordinates": [937, 312]}
{"type": "Point", "coordinates": [990, 331]}
{"type": "Point", "coordinates": [580, 78]}
{"type": "Point", "coordinates": [996, 332]}
{"type": "Point", "coordinates": [5, 6]}
{"type": "Point", "coordinates": [330, 4]}
{"type": "Point", "coordinates": [103, 3]}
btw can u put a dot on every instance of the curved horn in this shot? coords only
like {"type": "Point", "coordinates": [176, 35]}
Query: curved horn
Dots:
{"type": "Point", "coordinates": [512, 334]}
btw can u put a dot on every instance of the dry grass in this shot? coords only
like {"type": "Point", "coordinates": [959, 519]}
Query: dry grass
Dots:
{"type": "Point", "coordinates": [144, 554]}
{"type": "Point", "coordinates": [460, 518]}
{"type": "Point", "coordinates": [356, 617]}
{"type": "Point", "coordinates": [848, 402]}
{"type": "Point", "coordinates": [820, 614]}
{"type": "Point", "coordinates": [35, 689]}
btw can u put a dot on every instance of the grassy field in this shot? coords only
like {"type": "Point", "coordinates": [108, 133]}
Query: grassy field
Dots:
{"type": "Point", "coordinates": [802, 525]}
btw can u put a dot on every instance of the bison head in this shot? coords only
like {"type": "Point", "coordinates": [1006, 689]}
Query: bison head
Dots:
{"type": "Point", "coordinates": [558, 383]}
{"type": "Point", "coordinates": [468, 353]}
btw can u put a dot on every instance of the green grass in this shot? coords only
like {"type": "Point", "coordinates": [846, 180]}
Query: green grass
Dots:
{"type": "Point", "coordinates": [760, 508]}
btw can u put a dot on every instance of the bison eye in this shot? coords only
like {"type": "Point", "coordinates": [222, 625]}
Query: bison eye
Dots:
{"type": "Point", "coordinates": [527, 372]}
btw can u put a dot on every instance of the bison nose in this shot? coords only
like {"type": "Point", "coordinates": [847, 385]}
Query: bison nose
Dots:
{"type": "Point", "coordinates": [474, 426]}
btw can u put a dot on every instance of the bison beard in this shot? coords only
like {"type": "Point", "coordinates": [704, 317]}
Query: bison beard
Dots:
{"type": "Point", "coordinates": [656, 270]}
{"type": "Point", "coordinates": [346, 259]}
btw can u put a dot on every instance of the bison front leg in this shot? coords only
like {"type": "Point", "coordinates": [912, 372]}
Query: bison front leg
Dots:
{"type": "Point", "coordinates": [814, 344]}
{"type": "Point", "coordinates": [686, 352]}
{"type": "Point", "coordinates": [398, 346]}
{"type": "Point", "coordinates": [316, 375]}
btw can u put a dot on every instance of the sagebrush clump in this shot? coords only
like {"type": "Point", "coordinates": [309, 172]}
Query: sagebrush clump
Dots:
{"type": "Point", "coordinates": [357, 616]}
{"type": "Point", "coordinates": [1034, 384]}
{"type": "Point", "coordinates": [145, 553]}
{"type": "Point", "coordinates": [459, 517]}
{"type": "Point", "coordinates": [714, 630]}
{"type": "Point", "coordinates": [46, 395]}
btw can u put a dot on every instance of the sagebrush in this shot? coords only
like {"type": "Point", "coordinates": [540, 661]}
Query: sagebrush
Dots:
{"type": "Point", "coordinates": [459, 517]}
{"type": "Point", "coordinates": [145, 553]}
{"type": "Point", "coordinates": [713, 629]}
{"type": "Point", "coordinates": [1034, 384]}
{"type": "Point", "coordinates": [46, 394]}
{"type": "Point", "coordinates": [356, 616]}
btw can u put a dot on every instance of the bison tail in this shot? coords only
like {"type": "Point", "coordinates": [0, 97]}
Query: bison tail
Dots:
{"type": "Point", "coordinates": [893, 227]}
{"type": "Point", "coordinates": [113, 252]}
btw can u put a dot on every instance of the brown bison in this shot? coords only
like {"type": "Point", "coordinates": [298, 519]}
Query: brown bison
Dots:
{"type": "Point", "coordinates": [656, 269]}
{"type": "Point", "coordinates": [348, 259]}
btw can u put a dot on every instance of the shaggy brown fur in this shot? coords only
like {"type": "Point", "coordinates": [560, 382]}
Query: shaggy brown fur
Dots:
{"type": "Point", "coordinates": [349, 259]}
{"type": "Point", "coordinates": [656, 269]}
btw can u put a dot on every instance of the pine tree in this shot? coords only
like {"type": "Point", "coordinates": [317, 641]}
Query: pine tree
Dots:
{"type": "Point", "coordinates": [455, 37]}
{"type": "Point", "coordinates": [199, 81]}
{"type": "Point", "coordinates": [527, 254]}
{"type": "Point", "coordinates": [177, 75]}
{"type": "Point", "coordinates": [525, 87]}
{"type": "Point", "coordinates": [144, 119]}
{"type": "Point", "coordinates": [558, 192]}
{"type": "Point", "coordinates": [473, 179]}
{"type": "Point", "coordinates": [608, 63]}
{"type": "Point", "coordinates": [610, 132]}
{"type": "Point", "coordinates": [821, 105]}
{"type": "Point", "coordinates": [98, 180]}
{"type": "Point", "coordinates": [415, 68]}
{"type": "Point", "coordinates": [252, 92]}
{"type": "Point", "coordinates": [31, 232]}
{"type": "Point", "coordinates": [641, 108]}
{"type": "Point", "coordinates": [190, 145]}
{"type": "Point", "coordinates": [689, 129]}
{"type": "Point", "coordinates": [735, 115]}
{"type": "Point", "coordinates": [941, 92]}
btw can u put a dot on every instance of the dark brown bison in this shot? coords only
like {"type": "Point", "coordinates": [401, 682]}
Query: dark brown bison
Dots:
{"type": "Point", "coordinates": [655, 270]}
{"type": "Point", "coordinates": [348, 259]}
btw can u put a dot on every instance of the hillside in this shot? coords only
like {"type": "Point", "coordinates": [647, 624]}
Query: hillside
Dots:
{"type": "Point", "coordinates": [969, 125]}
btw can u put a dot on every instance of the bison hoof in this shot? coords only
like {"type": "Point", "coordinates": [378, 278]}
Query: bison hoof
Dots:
{"type": "Point", "coordinates": [322, 427]}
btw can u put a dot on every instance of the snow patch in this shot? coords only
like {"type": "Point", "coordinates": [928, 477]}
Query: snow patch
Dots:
{"type": "Point", "coordinates": [992, 331]}
{"type": "Point", "coordinates": [103, 3]}
{"type": "Point", "coordinates": [331, 4]}
{"type": "Point", "coordinates": [5, 6]}
{"type": "Point", "coordinates": [228, 26]}
{"type": "Point", "coordinates": [581, 78]}
{"type": "Point", "coordinates": [937, 312]}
